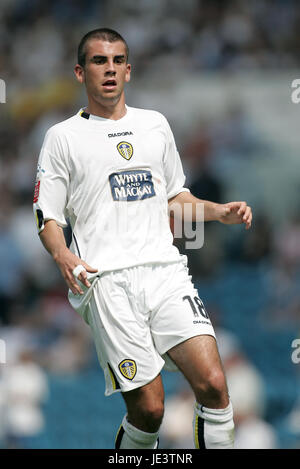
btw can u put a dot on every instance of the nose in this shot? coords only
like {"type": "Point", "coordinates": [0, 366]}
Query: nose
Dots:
{"type": "Point", "coordinates": [111, 68]}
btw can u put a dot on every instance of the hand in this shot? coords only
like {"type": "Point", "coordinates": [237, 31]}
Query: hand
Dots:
{"type": "Point", "coordinates": [235, 213]}
{"type": "Point", "coordinates": [66, 262]}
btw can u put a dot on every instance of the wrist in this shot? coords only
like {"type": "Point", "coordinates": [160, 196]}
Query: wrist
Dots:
{"type": "Point", "coordinates": [58, 253]}
{"type": "Point", "coordinates": [213, 212]}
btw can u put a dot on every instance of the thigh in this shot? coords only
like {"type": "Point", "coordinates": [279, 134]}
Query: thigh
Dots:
{"type": "Point", "coordinates": [197, 357]}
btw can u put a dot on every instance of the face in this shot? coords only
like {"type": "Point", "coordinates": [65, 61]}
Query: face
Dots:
{"type": "Point", "coordinates": [105, 72]}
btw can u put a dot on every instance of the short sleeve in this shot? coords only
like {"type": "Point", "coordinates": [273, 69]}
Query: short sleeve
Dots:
{"type": "Point", "coordinates": [52, 181]}
{"type": "Point", "coordinates": [173, 170]}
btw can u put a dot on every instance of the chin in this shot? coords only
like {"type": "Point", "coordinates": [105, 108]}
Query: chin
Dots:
{"type": "Point", "coordinates": [112, 96]}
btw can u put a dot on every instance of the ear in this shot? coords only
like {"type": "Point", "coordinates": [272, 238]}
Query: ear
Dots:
{"type": "Point", "coordinates": [128, 73]}
{"type": "Point", "coordinates": [79, 72]}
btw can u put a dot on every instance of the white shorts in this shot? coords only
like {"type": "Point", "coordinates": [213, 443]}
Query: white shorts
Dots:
{"type": "Point", "coordinates": [137, 315]}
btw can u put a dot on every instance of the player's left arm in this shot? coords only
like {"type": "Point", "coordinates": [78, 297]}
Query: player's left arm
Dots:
{"type": "Point", "coordinates": [231, 213]}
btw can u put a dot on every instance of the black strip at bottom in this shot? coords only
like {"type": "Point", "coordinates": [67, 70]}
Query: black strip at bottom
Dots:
{"type": "Point", "coordinates": [201, 440]}
{"type": "Point", "coordinates": [77, 247]}
{"type": "Point", "coordinates": [116, 381]}
{"type": "Point", "coordinates": [119, 437]}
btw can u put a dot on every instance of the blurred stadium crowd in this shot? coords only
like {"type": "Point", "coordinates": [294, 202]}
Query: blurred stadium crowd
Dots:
{"type": "Point", "coordinates": [51, 387]}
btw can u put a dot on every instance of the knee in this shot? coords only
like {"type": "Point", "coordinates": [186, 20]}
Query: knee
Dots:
{"type": "Point", "coordinates": [153, 414]}
{"type": "Point", "coordinates": [213, 389]}
{"type": "Point", "coordinates": [148, 417]}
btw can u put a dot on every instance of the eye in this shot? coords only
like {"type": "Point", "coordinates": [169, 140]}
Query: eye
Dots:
{"type": "Point", "coordinates": [99, 61]}
{"type": "Point", "coordinates": [119, 60]}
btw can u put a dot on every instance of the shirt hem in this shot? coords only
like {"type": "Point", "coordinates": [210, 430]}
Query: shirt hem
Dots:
{"type": "Point", "coordinates": [182, 258]}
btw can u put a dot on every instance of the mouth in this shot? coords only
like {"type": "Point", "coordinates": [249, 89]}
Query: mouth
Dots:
{"type": "Point", "coordinates": [109, 84]}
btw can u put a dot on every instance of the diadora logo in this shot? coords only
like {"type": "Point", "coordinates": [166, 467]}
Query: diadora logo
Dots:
{"type": "Point", "coordinates": [120, 134]}
{"type": "Point", "coordinates": [132, 185]}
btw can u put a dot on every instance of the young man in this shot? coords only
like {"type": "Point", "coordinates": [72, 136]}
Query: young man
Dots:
{"type": "Point", "coordinates": [113, 170]}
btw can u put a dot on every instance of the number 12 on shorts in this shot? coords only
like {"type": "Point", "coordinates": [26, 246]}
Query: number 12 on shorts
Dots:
{"type": "Point", "coordinates": [197, 305]}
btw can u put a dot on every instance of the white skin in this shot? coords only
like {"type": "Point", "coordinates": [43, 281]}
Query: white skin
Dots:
{"type": "Point", "coordinates": [198, 357]}
{"type": "Point", "coordinates": [105, 61]}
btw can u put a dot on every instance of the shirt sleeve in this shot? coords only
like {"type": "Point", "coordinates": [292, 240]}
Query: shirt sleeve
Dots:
{"type": "Point", "coordinates": [52, 181]}
{"type": "Point", "coordinates": [173, 170]}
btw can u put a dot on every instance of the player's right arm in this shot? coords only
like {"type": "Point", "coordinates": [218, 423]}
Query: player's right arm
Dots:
{"type": "Point", "coordinates": [49, 205]}
{"type": "Point", "coordinates": [53, 240]}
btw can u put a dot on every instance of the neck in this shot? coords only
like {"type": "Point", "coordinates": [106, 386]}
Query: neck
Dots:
{"type": "Point", "coordinates": [112, 109]}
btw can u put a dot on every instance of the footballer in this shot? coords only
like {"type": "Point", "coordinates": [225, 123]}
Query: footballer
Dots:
{"type": "Point", "coordinates": [114, 171]}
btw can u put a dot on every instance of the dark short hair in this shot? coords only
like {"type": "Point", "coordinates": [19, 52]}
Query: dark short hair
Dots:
{"type": "Point", "coordinates": [105, 34]}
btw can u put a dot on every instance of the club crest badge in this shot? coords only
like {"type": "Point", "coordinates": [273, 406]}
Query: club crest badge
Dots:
{"type": "Point", "coordinates": [125, 149]}
{"type": "Point", "coordinates": [128, 368]}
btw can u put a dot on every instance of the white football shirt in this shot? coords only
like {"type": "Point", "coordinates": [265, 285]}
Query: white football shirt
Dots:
{"type": "Point", "coordinates": [112, 180]}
